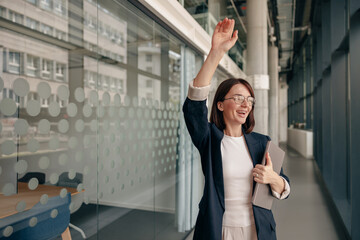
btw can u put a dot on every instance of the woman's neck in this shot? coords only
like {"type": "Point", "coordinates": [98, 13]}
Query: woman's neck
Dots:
{"type": "Point", "coordinates": [233, 131]}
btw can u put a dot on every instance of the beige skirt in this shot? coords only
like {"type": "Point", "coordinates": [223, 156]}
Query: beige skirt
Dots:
{"type": "Point", "coordinates": [239, 233]}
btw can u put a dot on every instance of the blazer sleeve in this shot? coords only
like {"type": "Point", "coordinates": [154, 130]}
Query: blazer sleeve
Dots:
{"type": "Point", "coordinates": [195, 114]}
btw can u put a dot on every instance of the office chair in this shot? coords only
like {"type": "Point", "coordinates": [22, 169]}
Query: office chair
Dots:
{"type": "Point", "coordinates": [76, 199]}
{"type": "Point", "coordinates": [29, 175]}
{"type": "Point", "coordinates": [48, 226]}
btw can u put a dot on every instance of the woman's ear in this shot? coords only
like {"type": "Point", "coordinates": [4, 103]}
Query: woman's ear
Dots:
{"type": "Point", "coordinates": [220, 106]}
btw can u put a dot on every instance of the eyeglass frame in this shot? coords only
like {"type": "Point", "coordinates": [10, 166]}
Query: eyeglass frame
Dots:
{"type": "Point", "coordinates": [247, 99]}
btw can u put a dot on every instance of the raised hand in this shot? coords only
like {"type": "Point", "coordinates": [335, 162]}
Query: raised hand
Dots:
{"type": "Point", "coordinates": [224, 36]}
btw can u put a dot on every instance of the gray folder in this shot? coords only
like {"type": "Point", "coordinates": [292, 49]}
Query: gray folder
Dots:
{"type": "Point", "coordinates": [262, 196]}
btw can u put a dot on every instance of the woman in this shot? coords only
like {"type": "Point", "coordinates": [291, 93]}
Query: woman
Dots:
{"type": "Point", "coordinates": [230, 152]}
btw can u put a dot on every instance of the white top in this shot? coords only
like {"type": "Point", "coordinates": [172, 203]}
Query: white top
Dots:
{"type": "Point", "coordinates": [238, 182]}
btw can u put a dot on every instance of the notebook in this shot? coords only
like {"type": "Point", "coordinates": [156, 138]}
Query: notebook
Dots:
{"type": "Point", "coordinates": [262, 196]}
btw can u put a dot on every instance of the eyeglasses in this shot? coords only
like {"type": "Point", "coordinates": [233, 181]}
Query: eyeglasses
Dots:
{"type": "Point", "coordinates": [239, 99]}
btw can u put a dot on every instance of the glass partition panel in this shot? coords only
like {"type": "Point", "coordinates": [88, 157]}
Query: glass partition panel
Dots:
{"type": "Point", "coordinates": [92, 133]}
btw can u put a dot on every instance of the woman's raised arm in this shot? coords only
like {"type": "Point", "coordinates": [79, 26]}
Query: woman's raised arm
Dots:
{"type": "Point", "coordinates": [222, 40]}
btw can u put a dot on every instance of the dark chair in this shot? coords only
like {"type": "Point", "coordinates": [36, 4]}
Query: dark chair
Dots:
{"type": "Point", "coordinates": [39, 175]}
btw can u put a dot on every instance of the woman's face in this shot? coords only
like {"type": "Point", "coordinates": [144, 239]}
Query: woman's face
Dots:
{"type": "Point", "coordinates": [235, 114]}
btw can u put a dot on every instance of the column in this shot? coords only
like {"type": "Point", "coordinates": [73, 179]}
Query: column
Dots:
{"type": "Point", "coordinates": [257, 60]}
{"type": "Point", "coordinates": [273, 94]}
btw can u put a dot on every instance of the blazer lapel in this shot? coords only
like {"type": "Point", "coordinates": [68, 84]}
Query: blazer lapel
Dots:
{"type": "Point", "coordinates": [252, 145]}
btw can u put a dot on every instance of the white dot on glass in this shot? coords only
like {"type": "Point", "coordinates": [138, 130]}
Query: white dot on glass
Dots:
{"type": "Point", "coordinates": [44, 90]}
{"type": "Point", "coordinates": [54, 109]}
{"type": "Point", "coordinates": [54, 213]}
{"type": "Point", "coordinates": [33, 222]}
{"type": "Point", "coordinates": [54, 143]}
{"type": "Point", "coordinates": [44, 126]}
{"type": "Point", "coordinates": [94, 98]}
{"type": "Point", "coordinates": [20, 167]}
{"type": "Point", "coordinates": [63, 192]}
{"type": "Point", "coordinates": [71, 174]}
{"type": "Point", "coordinates": [33, 183]}
{"type": "Point", "coordinates": [122, 112]}
{"type": "Point", "coordinates": [79, 125]}
{"type": "Point", "coordinates": [8, 189]}
{"type": "Point", "coordinates": [71, 206]}
{"type": "Point", "coordinates": [54, 178]}
{"type": "Point", "coordinates": [21, 87]}
{"type": "Point", "coordinates": [8, 147]}
{"type": "Point", "coordinates": [80, 187]}
{"type": "Point", "coordinates": [71, 109]}
{"type": "Point", "coordinates": [44, 162]}
{"type": "Point", "coordinates": [20, 206]}
{"type": "Point", "coordinates": [21, 127]}
{"type": "Point", "coordinates": [44, 199]}
{"type": "Point", "coordinates": [117, 100]}
{"type": "Point", "coordinates": [72, 143]}
{"type": "Point", "coordinates": [33, 108]}
{"type": "Point", "coordinates": [63, 126]}
{"type": "Point", "coordinates": [79, 94]}
{"type": "Point", "coordinates": [63, 92]}
{"type": "Point", "coordinates": [87, 110]}
{"type": "Point", "coordinates": [8, 106]}
{"type": "Point", "coordinates": [63, 158]}
{"type": "Point", "coordinates": [106, 99]}
{"type": "Point", "coordinates": [8, 231]}
{"type": "Point", "coordinates": [127, 101]}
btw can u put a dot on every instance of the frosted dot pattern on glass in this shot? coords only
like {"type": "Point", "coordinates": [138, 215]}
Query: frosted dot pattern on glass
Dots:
{"type": "Point", "coordinates": [71, 109]}
{"type": "Point", "coordinates": [63, 92]}
{"type": "Point", "coordinates": [21, 87]}
{"type": "Point", "coordinates": [8, 147]}
{"type": "Point", "coordinates": [33, 221]}
{"type": "Point", "coordinates": [44, 90]}
{"type": "Point", "coordinates": [63, 158]}
{"type": "Point", "coordinates": [8, 189]}
{"type": "Point", "coordinates": [44, 162]}
{"type": "Point", "coordinates": [63, 126]}
{"type": "Point", "coordinates": [33, 108]}
{"type": "Point", "coordinates": [54, 178]}
{"type": "Point", "coordinates": [54, 109]}
{"type": "Point", "coordinates": [79, 94]}
{"type": "Point", "coordinates": [54, 213]}
{"type": "Point", "coordinates": [20, 206]}
{"type": "Point", "coordinates": [44, 199]}
{"type": "Point", "coordinates": [8, 231]}
{"type": "Point", "coordinates": [33, 183]}
{"type": "Point", "coordinates": [20, 167]}
{"type": "Point", "coordinates": [8, 107]}
{"type": "Point", "coordinates": [21, 127]}
{"type": "Point", "coordinates": [63, 192]}
{"type": "Point", "coordinates": [44, 126]}
{"type": "Point", "coordinates": [87, 110]}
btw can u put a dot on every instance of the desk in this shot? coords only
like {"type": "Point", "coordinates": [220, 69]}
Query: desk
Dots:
{"type": "Point", "coordinates": [30, 197]}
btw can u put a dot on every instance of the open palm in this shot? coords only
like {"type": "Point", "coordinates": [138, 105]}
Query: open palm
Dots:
{"type": "Point", "coordinates": [223, 37]}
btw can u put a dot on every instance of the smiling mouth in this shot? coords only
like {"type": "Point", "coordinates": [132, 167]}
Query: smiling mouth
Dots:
{"type": "Point", "coordinates": [241, 113]}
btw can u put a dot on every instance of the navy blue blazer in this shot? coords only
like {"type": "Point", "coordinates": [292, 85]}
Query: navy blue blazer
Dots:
{"type": "Point", "coordinates": [207, 139]}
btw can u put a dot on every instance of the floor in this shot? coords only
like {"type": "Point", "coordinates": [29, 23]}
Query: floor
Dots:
{"type": "Point", "coordinates": [305, 214]}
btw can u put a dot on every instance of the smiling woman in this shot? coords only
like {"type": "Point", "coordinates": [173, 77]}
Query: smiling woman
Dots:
{"type": "Point", "coordinates": [231, 153]}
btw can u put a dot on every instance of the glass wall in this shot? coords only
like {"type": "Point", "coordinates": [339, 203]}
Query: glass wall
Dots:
{"type": "Point", "coordinates": [91, 125]}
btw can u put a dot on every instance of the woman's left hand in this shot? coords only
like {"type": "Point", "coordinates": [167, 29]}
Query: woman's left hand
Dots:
{"type": "Point", "coordinates": [265, 174]}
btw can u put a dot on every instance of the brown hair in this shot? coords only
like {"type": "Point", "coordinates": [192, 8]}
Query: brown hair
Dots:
{"type": "Point", "coordinates": [216, 116]}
